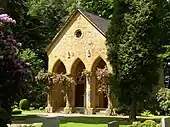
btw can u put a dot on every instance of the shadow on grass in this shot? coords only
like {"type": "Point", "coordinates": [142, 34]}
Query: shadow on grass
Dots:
{"type": "Point", "coordinates": [30, 119]}
{"type": "Point", "coordinates": [27, 119]}
{"type": "Point", "coordinates": [92, 120]}
{"type": "Point", "coordinates": [102, 120]}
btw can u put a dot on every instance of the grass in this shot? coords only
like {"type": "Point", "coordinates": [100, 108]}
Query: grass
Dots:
{"type": "Point", "coordinates": [80, 121]}
{"type": "Point", "coordinates": [89, 122]}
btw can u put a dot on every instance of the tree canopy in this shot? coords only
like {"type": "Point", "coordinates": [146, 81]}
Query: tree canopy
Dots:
{"type": "Point", "coordinates": [134, 42]}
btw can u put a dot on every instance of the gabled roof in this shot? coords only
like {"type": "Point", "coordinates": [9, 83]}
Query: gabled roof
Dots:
{"type": "Point", "coordinates": [101, 23]}
{"type": "Point", "coordinates": [98, 22]}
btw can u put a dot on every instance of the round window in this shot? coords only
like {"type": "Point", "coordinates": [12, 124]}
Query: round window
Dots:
{"type": "Point", "coordinates": [78, 33]}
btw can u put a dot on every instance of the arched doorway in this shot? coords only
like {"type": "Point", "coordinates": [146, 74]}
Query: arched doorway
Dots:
{"type": "Point", "coordinates": [101, 100]}
{"type": "Point", "coordinates": [58, 95]}
{"type": "Point", "coordinates": [77, 69]}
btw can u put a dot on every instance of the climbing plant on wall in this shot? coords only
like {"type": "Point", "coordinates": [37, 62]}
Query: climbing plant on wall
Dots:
{"type": "Point", "coordinates": [102, 80]}
{"type": "Point", "coordinates": [50, 79]}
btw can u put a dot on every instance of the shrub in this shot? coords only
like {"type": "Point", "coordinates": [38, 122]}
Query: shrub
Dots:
{"type": "Point", "coordinates": [4, 117]}
{"type": "Point", "coordinates": [41, 108]}
{"type": "Point", "coordinates": [146, 123]}
{"type": "Point", "coordinates": [163, 97]}
{"type": "Point", "coordinates": [16, 111]}
{"type": "Point", "coordinates": [147, 113]}
{"type": "Point", "coordinates": [24, 104]}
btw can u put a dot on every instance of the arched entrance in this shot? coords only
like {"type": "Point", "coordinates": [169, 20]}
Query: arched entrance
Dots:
{"type": "Point", "coordinates": [101, 99]}
{"type": "Point", "coordinates": [77, 69]}
{"type": "Point", "coordinates": [58, 95]}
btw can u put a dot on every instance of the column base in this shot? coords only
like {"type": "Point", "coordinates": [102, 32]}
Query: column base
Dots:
{"type": "Point", "coordinates": [68, 110]}
{"type": "Point", "coordinates": [49, 109]}
{"type": "Point", "coordinates": [88, 111]}
{"type": "Point", "coordinates": [110, 112]}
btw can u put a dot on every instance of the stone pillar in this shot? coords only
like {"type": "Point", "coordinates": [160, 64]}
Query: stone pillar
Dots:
{"type": "Point", "coordinates": [73, 99]}
{"type": "Point", "coordinates": [88, 108]}
{"type": "Point", "coordinates": [110, 110]}
{"type": "Point", "coordinates": [68, 97]}
{"type": "Point", "coordinates": [49, 108]}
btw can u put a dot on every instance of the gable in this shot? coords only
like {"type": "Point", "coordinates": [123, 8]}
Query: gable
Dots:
{"type": "Point", "coordinates": [97, 22]}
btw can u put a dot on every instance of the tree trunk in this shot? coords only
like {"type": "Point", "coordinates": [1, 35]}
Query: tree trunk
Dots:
{"type": "Point", "coordinates": [132, 115]}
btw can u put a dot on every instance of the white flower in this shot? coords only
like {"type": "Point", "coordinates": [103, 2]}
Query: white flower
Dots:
{"type": "Point", "coordinates": [1, 57]}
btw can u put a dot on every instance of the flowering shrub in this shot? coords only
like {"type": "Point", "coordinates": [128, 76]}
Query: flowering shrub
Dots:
{"type": "Point", "coordinates": [103, 80]}
{"type": "Point", "coordinates": [86, 73]}
{"type": "Point", "coordinates": [45, 78]}
{"type": "Point", "coordinates": [6, 18]}
{"type": "Point", "coordinates": [50, 79]}
{"type": "Point", "coordinates": [14, 72]}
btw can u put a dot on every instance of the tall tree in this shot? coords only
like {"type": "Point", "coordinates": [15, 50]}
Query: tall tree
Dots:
{"type": "Point", "coordinates": [134, 41]}
{"type": "Point", "coordinates": [14, 72]}
{"type": "Point", "coordinates": [103, 8]}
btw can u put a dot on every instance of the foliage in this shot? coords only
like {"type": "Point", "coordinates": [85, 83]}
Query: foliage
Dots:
{"type": "Point", "coordinates": [15, 71]}
{"type": "Point", "coordinates": [133, 42]}
{"type": "Point", "coordinates": [16, 111]}
{"type": "Point", "coordinates": [163, 98]}
{"type": "Point", "coordinates": [86, 73]}
{"type": "Point", "coordinates": [50, 79]}
{"type": "Point", "coordinates": [103, 8]}
{"type": "Point", "coordinates": [34, 91]}
{"type": "Point", "coordinates": [52, 14]}
{"type": "Point", "coordinates": [29, 56]}
{"type": "Point", "coordinates": [4, 117]}
{"type": "Point", "coordinates": [146, 123]}
{"type": "Point", "coordinates": [103, 80]}
{"type": "Point", "coordinates": [24, 104]}
{"type": "Point", "coordinates": [41, 108]}
{"type": "Point", "coordinates": [147, 113]}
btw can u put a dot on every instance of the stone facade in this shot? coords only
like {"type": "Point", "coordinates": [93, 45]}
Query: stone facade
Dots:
{"type": "Point", "coordinates": [79, 45]}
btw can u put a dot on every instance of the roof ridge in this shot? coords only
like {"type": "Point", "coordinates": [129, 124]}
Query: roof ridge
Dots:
{"type": "Point", "coordinates": [98, 21]}
{"type": "Point", "coordinates": [81, 10]}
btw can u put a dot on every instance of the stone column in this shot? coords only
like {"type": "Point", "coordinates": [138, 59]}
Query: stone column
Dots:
{"type": "Point", "coordinates": [88, 108]}
{"type": "Point", "coordinates": [110, 110]}
{"type": "Point", "coordinates": [73, 99]}
{"type": "Point", "coordinates": [69, 100]}
{"type": "Point", "coordinates": [49, 108]}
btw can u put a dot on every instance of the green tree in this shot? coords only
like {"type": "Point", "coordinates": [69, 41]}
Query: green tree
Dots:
{"type": "Point", "coordinates": [134, 41]}
{"type": "Point", "coordinates": [52, 14]}
{"type": "Point", "coordinates": [104, 8]}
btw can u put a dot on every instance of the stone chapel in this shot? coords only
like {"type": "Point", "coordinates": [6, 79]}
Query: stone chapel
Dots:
{"type": "Point", "coordinates": [79, 45]}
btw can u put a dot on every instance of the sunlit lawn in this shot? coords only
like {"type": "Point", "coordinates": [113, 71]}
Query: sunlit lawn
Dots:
{"type": "Point", "coordinates": [83, 121]}
{"type": "Point", "coordinates": [90, 122]}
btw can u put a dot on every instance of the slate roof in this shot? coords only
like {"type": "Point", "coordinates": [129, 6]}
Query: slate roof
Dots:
{"type": "Point", "coordinates": [98, 22]}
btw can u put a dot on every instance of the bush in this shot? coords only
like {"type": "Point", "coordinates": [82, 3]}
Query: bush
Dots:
{"type": "Point", "coordinates": [146, 123]}
{"type": "Point", "coordinates": [16, 111]}
{"type": "Point", "coordinates": [123, 110]}
{"type": "Point", "coordinates": [4, 117]}
{"type": "Point", "coordinates": [24, 104]}
{"type": "Point", "coordinates": [163, 97]}
{"type": "Point", "coordinates": [41, 108]}
{"type": "Point", "coordinates": [147, 113]}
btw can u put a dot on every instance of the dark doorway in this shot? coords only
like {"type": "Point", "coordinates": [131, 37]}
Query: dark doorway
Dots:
{"type": "Point", "coordinates": [105, 101]}
{"type": "Point", "coordinates": [79, 97]}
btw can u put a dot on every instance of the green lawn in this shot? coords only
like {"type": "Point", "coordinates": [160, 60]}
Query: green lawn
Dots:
{"type": "Point", "coordinates": [82, 121]}
{"type": "Point", "coordinates": [90, 122]}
